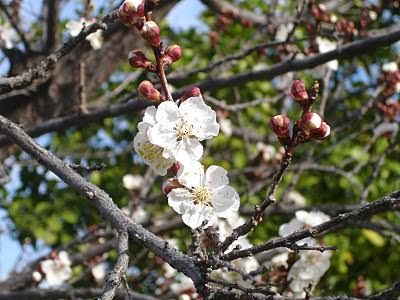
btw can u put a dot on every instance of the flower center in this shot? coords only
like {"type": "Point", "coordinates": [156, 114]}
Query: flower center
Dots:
{"type": "Point", "coordinates": [149, 151]}
{"type": "Point", "coordinates": [202, 195]}
{"type": "Point", "coordinates": [183, 130]}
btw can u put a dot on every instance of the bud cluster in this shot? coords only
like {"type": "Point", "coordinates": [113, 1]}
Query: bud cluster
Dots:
{"type": "Point", "coordinates": [137, 14]}
{"type": "Point", "coordinates": [309, 126]}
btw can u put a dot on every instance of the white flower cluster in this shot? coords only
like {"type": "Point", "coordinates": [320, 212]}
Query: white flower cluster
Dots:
{"type": "Point", "coordinates": [312, 264]}
{"type": "Point", "coordinates": [56, 270]}
{"type": "Point", "coordinates": [246, 264]}
{"type": "Point", "coordinates": [95, 39]}
{"type": "Point", "coordinates": [172, 134]}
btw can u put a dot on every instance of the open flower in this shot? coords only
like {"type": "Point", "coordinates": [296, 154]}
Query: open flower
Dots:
{"type": "Point", "coordinates": [311, 266]}
{"type": "Point", "coordinates": [95, 39]}
{"type": "Point", "coordinates": [326, 45]}
{"type": "Point", "coordinates": [204, 196]}
{"type": "Point", "coordinates": [179, 130]}
{"type": "Point", "coordinates": [57, 270]}
{"type": "Point", "coordinates": [152, 155]}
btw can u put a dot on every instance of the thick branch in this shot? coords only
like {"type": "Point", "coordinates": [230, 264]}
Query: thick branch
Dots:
{"type": "Point", "coordinates": [102, 201]}
{"type": "Point", "coordinates": [353, 49]}
{"type": "Point", "coordinates": [390, 202]}
{"type": "Point", "coordinates": [41, 70]}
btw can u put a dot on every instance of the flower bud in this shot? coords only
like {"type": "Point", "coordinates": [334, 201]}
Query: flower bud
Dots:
{"type": "Point", "coordinates": [321, 133]}
{"type": "Point", "coordinates": [131, 11]}
{"type": "Point", "coordinates": [137, 59]}
{"type": "Point", "coordinates": [174, 51]}
{"type": "Point", "coordinates": [151, 33]}
{"type": "Point", "coordinates": [192, 92]}
{"type": "Point", "coordinates": [170, 184]}
{"type": "Point", "coordinates": [147, 90]}
{"type": "Point", "coordinates": [175, 168]}
{"type": "Point", "coordinates": [280, 126]}
{"type": "Point", "coordinates": [299, 91]}
{"type": "Point", "coordinates": [310, 121]}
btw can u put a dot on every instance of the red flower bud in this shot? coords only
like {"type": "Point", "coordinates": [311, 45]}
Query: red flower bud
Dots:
{"type": "Point", "coordinates": [175, 168]}
{"type": "Point", "coordinates": [280, 126]}
{"type": "Point", "coordinates": [131, 12]}
{"type": "Point", "coordinates": [151, 33]}
{"type": "Point", "coordinates": [192, 92]}
{"type": "Point", "coordinates": [170, 184]}
{"type": "Point", "coordinates": [137, 59]}
{"type": "Point", "coordinates": [310, 121]}
{"type": "Point", "coordinates": [299, 91]}
{"type": "Point", "coordinates": [321, 132]}
{"type": "Point", "coordinates": [174, 51]}
{"type": "Point", "coordinates": [147, 90]}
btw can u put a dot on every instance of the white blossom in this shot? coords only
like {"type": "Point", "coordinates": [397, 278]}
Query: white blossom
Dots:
{"type": "Point", "coordinates": [179, 130]}
{"type": "Point", "coordinates": [247, 264]}
{"type": "Point", "coordinates": [310, 267]}
{"type": "Point", "coordinates": [7, 36]}
{"type": "Point", "coordinates": [132, 182]}
{"type": "Point", "coordinates": [75, 27]}
{"type": "Point", "coordinates": [293, 200]}
{"type": "Point", "coordinates": [57, 270]}
{"type": "Point", "coordinates": [99, 272]}
{"type": "Point", "coordinates": [386, 127]}
{"type": "Point", "coordinates": [152, 155]}
{"type": "Point", "coordinates": [226, 126]}
{"type": "Point", "coordinates": [326, 45]}
{"type": "Point", "coordinates": [390, 67]}
{"type": "Point", "coordinates": [302, 220]}
{"type": "Point", "coordinates": [205, 196]}
{"type": "Point", "coordinates": [268, 152]}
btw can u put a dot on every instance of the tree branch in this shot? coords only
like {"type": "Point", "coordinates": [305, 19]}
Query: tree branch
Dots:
{"type": "Point", "coordinates": [102, 201]}
{"type": "Point", "coordinates": [390, 202]}
{"type": "Point", "coordinates": [118, 273]}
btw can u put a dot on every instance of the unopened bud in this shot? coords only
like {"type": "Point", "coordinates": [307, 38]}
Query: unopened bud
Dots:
{"type": "Point", "coordinates": [170, 184]}
{"type": "Point", "coordinates": [147, 90]}
{"type": "Point", "coordinates": [131, 12]}
{"type": "Point", "coordinates": [310, 121]}
{"type": "Point", "coordinates": [174, 51]}
{"type": "Point", "coordinates": [321, 133]}
{"type": "Point", "coordinates": [192, 92]}
{"type": "Point", "coordinates": [299, 91]}
{"type": "Point", "coordinates": [280, 126]}
{"type": "Point", "coordinates": [137, 59]}
{"type": "Point", "coordinates": [151, 33]}
{"type": "Point", "coordinates": [175, 168]}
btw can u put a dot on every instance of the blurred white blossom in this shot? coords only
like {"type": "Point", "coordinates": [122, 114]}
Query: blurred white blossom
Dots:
{"type": "Point", "coordinates": [132, 182]}
{"type": "Point", "coordinates": [57, 270]}
{"type": "Point", "coordinates": [75, 27]}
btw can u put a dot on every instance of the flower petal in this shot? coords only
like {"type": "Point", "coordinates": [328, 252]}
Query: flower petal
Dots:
{"type": "Point", "coordinates": [196, 214]}
{"type": "Point", "coordinates": [167, 112]}
{"type": "Point", "coordinates": [191, 174]}
{"type": "Point", "coordinates": [201, 117]}
{"type": "Point", "coordinates": [216, 177]}
{"type": "Point", "coordinates": [180, 200]}
{"type": "Point", "coordinates": [225, 201]}
{"type": "Point", "coordinates": [161, 135]}
{"type": "Point", "coordinates": [187, 150]}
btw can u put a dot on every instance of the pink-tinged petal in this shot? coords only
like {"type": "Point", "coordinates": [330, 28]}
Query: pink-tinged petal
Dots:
{"type": "Point", "coordinates": [216, 177]}
{"type": "Point", "coordinates": [225, 201]}
{"type": "Point", "coordinates": [191, 174]}
{"type": "Point", "coordinates": [180, 200]}
{"type": "Point", "coordinates": [201, 117]}
{"type": "Point", "coordinates": [167, 112]}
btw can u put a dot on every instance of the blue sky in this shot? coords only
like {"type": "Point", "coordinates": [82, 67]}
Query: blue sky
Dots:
{"type": "Point", "coordinates": [184, 15]}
